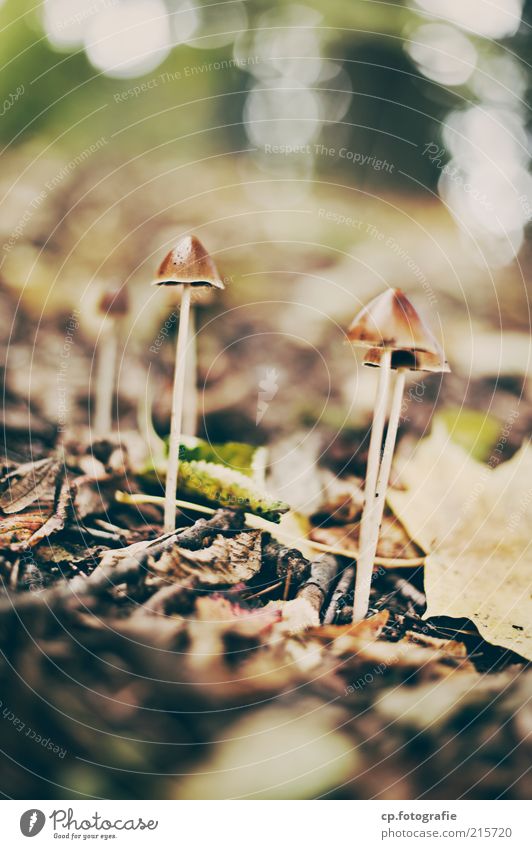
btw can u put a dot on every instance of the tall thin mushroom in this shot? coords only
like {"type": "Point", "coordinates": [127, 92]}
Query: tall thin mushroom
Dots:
{"type": "Point", "coordinates": [187, 265]}
{"type": "Point", "coordinates": [396, 338]}
{"type": "Point", "coordinates": [202, 299]}
{"type": "Point", "coordinates": [190, 408]}
{"type": "Point", "coordinates": [113, 306]}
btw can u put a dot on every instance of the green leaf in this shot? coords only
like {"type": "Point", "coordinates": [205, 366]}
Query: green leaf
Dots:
{"type": "Point", "coordinates": [473, 430]}
{"type": "Point", "coordinates": [239, 456]}
{"type": "Point", "coordinates": [220, 485]}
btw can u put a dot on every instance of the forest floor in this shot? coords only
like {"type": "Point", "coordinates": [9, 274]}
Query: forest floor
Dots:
{"type": "Point", "coordinates": [220, 661]}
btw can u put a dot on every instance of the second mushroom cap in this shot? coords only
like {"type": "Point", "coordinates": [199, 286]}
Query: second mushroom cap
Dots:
{"type": "Point", "coordinates": [391, 322]}
{"type": "Point", "coordinates": [188, 262]}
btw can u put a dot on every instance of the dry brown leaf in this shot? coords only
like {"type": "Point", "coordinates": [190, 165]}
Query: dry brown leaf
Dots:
{"type": "Point", "coordinates": [17, 530]}
{"type": "Point", "coordinates": [453, 648]}
{"type": "Point", "coordinates": [402, 654]}
{"type": "Point", "coordinates": [31, 482]}
{"type": "Point", "coordinates": [93, 495]}
{"type": "Point", "coordinates": [368, 629]}
{"type": "Point", "coordinates": [476, 522]}
{"type": "Point", "coordinates": [55, 553]}
{"type": "Point", "coordinates": [36, 521]}
{"type": "Point", "coordinates": [436, 481]}
{"type": "Point", "coordinates": [56, 521]}
{"type": "Point", "coordinates": [359, 644]}
{"type": "Point", "coordinates": [228, 560]}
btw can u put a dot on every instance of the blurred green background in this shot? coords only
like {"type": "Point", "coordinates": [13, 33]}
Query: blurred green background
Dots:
{"type": "Point", "coordinates": [321, 150]}
{"type": "Point", "coordinates": [380, 76]}
{"type": "Point", "coordinates": [383, 79]}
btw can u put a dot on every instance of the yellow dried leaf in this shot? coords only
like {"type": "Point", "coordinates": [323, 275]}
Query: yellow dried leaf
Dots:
{"type": "Point", "coordinates": [475, 521]}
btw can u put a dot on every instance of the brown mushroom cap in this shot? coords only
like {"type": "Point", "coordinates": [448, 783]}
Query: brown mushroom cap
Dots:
{"type": "Point", "coordinates": [390, 322]}
{"type": "Point", "coordinates": [413, 360]}
{"type": "Point", "coordinates": [114, 301]}
{"type": "Point", "coordinates": [188, 262]}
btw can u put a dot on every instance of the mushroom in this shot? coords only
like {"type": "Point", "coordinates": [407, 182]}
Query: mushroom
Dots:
{"type": "Point", "coordinates": [187, 265]}
{"type": "Point", "coordinates": [202, 298]}
{"type": "Point", "coordinates": [113, 306]}
{"type": "Point", "coordinates": [395, 337]}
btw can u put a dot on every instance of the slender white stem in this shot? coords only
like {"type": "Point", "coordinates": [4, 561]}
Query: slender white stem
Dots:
{"type": "Point", "coordinates": [365, 560]}
{"type": "Point", "coordinates": [105, 378]}
{"type": "Point", "coordinates": [155, 445]}
{"type": "Point", "coordinates": [172, 470]}
{"type": "Point", "coordinates": [385, 468]}
{"type": "Point", "coordinates": [190, 412]}
{"type": "Point", "coordinates": [389, 445]}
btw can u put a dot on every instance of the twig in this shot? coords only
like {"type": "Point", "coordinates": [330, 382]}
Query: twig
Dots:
{"type": "Point", "coordinates": [264, 591]}
{"type": "Point", "coordinates": [343, 587]}
{"type": "Point", "coordinates": [409, 592]}
{"type": "Point", "coordinates": [223, 521]}
{"type": "Point", "coordinates": [105, 536]}
{"type": "Point", "coordinates": [287, 583]}
{"type": "Point", "coordinates": [118, 571]}
{"type": "Point", "coordinates": [322, 574]}
{"type": "Point", "coordinates": [107, 526]}
{"type": "Point", "coordinates": [281, 560]}
{"type": "Point", "coordinates": [353, 554]}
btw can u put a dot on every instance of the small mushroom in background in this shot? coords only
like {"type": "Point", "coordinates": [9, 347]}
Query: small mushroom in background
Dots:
{"type": "Point", "coordinates": [113, 306]}
{"type": "Point", "coordinates": [187, 265]}
{"type": "Point", "coordinates": [395, 338]}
